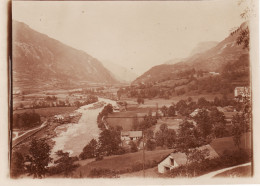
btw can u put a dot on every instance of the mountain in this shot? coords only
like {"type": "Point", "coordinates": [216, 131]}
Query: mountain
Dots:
{"type": "Point", "coordinates": [174, 61]}
{"type": "Point", "coordinates": [211, 60]}
{"type": "Point", "coordinates": [40, 62]}
{"type": "Point", "coordinates": [119, 72]}
{"type": "Point", "coordinates": [202, 47]}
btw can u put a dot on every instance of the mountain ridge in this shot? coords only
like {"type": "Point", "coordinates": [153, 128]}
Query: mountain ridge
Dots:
{"type": "Point", "coordinates": [40, 62]}
{"type": "Point", "coordinates": [212, 59]}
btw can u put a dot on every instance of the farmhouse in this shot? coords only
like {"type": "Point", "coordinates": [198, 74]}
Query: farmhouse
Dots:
{"type": "Point", "coordinates": [242, 92]}
{"type": "Point", "coordinates": [177, 159]}
{"type": "Point", "coordinates": [130, 135]}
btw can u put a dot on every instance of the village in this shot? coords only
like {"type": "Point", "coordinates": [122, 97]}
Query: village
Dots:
{"type": "Point", "coordinates": [149, 131]}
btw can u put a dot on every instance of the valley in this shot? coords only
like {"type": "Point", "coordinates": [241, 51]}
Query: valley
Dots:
{"type": "Point", "coordinates": [75, 116]}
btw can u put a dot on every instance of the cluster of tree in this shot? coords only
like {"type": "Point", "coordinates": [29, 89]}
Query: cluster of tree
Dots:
{"type": "Point", "coordinates": [108, 109]}
{"type": "Point", "coordinates": [140, 100]}
{"type": "Point", "coordinates": [90, 99]}
{"type": "Point", "coordinates": [168, 111]}
{"type": "Point", "coordinates": [108, 144]}
{"type": "Point", "coordinates": [211, 123]}
{"type": "Point", "coordinates": [26, 120]}
{"type": "Point", "coordinates": [186, 107]}
{"type": "Point", "coordinates": [165, 137]}
{"type": "Point", "coordinates": [36, 163]}
{"type": "Point", "coordinates": [49, 103]}
{"type": "Point", "coordinates": [146, 123]}
{"type": "Point", "coordinates": [51, 98]}
{"type": "Point", "coordinates": [64, 164]}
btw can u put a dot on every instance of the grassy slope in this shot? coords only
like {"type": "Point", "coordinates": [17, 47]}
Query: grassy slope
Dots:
{"type": "Point", "coordinates": [122, 162]}
{"type": "Point", "coordinates": [227, 143]}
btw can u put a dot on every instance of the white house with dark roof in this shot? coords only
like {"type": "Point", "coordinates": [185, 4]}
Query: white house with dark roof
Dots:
{"type": "Point", "coordinates": [174, 160]}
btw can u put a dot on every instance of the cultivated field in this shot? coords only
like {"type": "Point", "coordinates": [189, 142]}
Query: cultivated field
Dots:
{"type": "Point", "coordinates": [123, 121]}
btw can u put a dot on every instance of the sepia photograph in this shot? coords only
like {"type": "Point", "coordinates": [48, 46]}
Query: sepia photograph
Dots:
{"type": "Point", "coordinates": [132, 90]}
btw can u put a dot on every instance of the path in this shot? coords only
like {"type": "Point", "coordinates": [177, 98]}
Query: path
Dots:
{"type": "Point", "coordinates": [214, 173]}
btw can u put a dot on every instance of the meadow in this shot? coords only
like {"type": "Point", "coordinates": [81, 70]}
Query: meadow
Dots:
{"type": "Point", "coordinates": [119, 163]}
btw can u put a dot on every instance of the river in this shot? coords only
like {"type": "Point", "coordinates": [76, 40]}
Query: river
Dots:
{"type": "Point", "coordinates": [73, 138]}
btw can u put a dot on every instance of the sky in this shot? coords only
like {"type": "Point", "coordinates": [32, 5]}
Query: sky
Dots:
{"type": "Point", "coordinates": [136, 35]}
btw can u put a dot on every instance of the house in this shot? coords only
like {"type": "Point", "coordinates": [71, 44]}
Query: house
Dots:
{"type": "Point", "coordinates": [172, 161]}
{"type": "Point", "coordinates": [195, 112]}
{"type": "Point", "coordinates": [128, 136]}
{"type": "Point", "coordinates": [116, 109]}
{"type": "Point", "coordinates": [240, 93]}
{"type": "Point", "coordinates": [214, 73]}
{"type": "Point", "coordinates": [177, 159]}
{"type": "Point", "coordinates": [58, 118]}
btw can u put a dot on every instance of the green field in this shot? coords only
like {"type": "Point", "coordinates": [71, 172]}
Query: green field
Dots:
{"type": "Point", "coordinates": [48, 112]}
{"type": "Point", "coordinates": [123, 162]}
{"type": "Point", "coordinates": [122, 120]}
{"type": "Point", "coordinates": [171, 123]}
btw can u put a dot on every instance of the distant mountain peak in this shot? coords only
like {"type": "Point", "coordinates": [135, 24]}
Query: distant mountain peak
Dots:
{"type": "Point", "coordinates": [120, 73]}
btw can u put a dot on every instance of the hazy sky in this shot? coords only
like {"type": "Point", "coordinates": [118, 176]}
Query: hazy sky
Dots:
{"type": "Point", "coordinates": [137, 35]}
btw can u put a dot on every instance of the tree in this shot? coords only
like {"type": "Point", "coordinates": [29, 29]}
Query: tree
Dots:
{"type": "Point", "coordinates": [217, 101]}
{"type": "Point", "coordinates": [148, 121]}
{"type": "Point", "coordinates": [133, 146]}
{"type": "Point", "coordinates": [188, 137]}
{"type": "Point", "coordinates": [135, 125]}
{"type": "Point", "coordinates": [140, 100]}
{"type": "Point", "coordinates": [119, 93]}
{"type": "Point", "coordinates": [171, 111]}
{"type": "Point", "coordinates": [109, 141]}
{"type": "Point", "coordinates": [90, 150]}
{"type": "Point", "coordinates": [243, 31]}
{"type": "Point", "coordinates": [239, 126]}
{"type": "Point", "coordinates": [202, 102]}
{"type": "Point", "coordinates": [64, 164]}
{"type": "Point", "coordinates": [203, 122]}
{"type": "Point", "coordinates": [165, 136]}
{"type": "Point", "coordinates": [150, 144]}
{"type": "Point", "coordinates": [39, 158]}
{"type": "Point", "coordinates": [17, 167]}
{"type": "Point", "coordinates": [217, 119]}
{"type": "Point", "coordinates": [164, 110]}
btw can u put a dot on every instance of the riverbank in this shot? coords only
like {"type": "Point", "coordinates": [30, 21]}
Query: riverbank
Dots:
{"type": "Point", "coordinates": [73, 138]}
